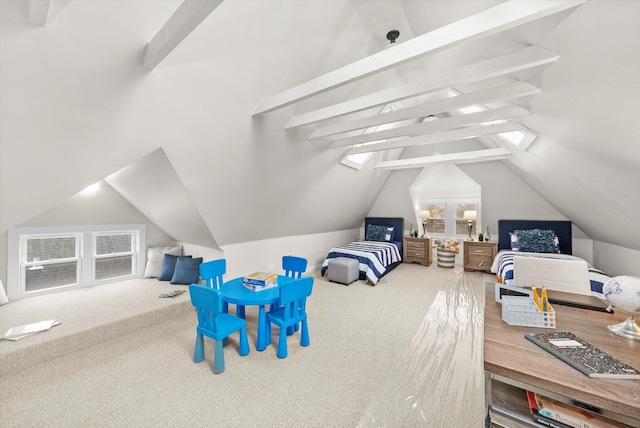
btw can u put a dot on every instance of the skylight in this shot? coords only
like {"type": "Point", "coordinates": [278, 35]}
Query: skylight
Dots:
{"type": "Point", "coordinates": [358, 160]}
{"type": "Point", "coordinates": [520, 139]}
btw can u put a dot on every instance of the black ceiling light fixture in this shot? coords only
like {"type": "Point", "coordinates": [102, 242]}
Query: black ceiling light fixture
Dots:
{"type": "Point", "coordinates": [393, 35]}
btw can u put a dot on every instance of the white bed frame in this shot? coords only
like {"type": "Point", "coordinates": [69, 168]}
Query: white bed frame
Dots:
{"type": "Point", "coordinates": [568, 276]}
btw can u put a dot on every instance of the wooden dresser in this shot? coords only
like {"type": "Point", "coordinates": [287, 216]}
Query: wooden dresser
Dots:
{"type": "Point", "coordinates": [479, 255]}
{"type": "Point", "coordinates": [417, 250]}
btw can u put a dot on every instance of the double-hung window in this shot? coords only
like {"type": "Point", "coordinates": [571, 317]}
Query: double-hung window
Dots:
{"type": "Point", "coordinates": [49, 259]}
{"type": "Point", "coordinates": [114, 255]}
{"type": "Point", "coordinates": [450, 217]}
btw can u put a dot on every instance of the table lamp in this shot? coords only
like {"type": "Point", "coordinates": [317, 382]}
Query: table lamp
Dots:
{"type": "Point", "coordinates": [470, 215]}
{"type": "Point", "coordinates": [424, 215]}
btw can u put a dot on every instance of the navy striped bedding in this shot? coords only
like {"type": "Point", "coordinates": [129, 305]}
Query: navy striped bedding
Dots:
{"type": "Point", "coordinates": [503, 267]}
{"type": "Point", "coordinates": [375, 258]}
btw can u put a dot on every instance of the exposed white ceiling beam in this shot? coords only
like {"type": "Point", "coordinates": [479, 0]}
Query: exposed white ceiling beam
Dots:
{"type": "Point", "coordinates": [435, 125]}
{"type": "Point", "coordinates": [183, 21]}
{"type": "Point", "coordinates": [491, 21]}
{"type": "Point", "coordinates": [441, 137]}
{"type": "Point", "coordinates": [485, 96]}
{"type": "Point", "coordinates": [39, 11]}
{"type": "Point", "coordinates": [453, 158]}
{"type": "Point", "coordinates": [488, 69]}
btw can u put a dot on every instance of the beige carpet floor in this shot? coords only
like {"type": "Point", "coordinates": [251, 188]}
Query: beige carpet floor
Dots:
{"type": "Point", "coordinates": [405, 353]}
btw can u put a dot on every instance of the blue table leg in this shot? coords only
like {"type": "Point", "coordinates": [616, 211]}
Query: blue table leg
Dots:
{"type": "Point", "coordinates": [262, 329]}
{"type": "Point", "coordinates": [240, 311]}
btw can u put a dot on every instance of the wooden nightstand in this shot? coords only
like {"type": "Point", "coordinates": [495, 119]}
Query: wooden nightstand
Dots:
{"type": "Point", "coordinates": [479, 255]}
{"type": "Point", "coordinates": [417, 250]}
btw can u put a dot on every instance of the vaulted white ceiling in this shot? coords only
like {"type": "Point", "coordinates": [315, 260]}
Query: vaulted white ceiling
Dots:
{"type": "Point", "coordinates": [255, 103]}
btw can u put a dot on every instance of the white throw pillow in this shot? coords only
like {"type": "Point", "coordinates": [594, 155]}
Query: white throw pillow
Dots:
{"type": "Point", "coordinates": [155, 256]}
{"type": "Point", "coordinates": [3, 295]}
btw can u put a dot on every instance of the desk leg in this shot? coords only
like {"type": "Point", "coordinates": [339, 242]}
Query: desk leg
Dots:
{"type": "Point", "coordinates": [262, 329]}
{"type": "Point", "coordinates": [487, 398]}
{"type": "Point", "coordinates": [240, 311]}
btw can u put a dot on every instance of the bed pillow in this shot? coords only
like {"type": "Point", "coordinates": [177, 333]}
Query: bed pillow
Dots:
{"type": "Point", "coordinates": [388, 235]}
{"type": "Point", "coordinates": [155, 257]}
{"type": "Point", "coordinates": [377, 233]}
{"type": "Point", "coordinates": [168, 267]}
{"type": "Point", "coordinates": [535, 241]}
{"type": "Point", "coordinates": [187, 270]}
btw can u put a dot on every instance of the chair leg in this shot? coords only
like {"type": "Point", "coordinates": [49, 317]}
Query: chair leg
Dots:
{"type": "Point", "coordinates": [218, 358]}
{"type": "Point", "coordinates": [304, 335]}
{"type": "Point", "coordinates": [282, 343]}
{"type": "Point", "coordinates": [244, 342]}
{"type": "Point", "coordinates": [268, 330]}
{"type": "Point", "coordinates": [198, 352]}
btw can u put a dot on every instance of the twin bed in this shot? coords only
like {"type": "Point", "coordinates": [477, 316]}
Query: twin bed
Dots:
{"type": "Point", "coordinates": [530, 252]}
{"type": "Point", "coordinates": [540, 252]}
{"type": "Point", "coordinates": [379, 253]}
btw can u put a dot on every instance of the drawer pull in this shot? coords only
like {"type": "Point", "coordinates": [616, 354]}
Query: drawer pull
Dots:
{"type": "Point", "coordinates": [481, 263]}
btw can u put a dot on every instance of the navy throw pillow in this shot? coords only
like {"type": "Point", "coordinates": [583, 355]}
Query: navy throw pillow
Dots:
{"type": "Point", "coordinates": [168, 266]}
{"type": "Point", "coordinates": [375, 233]}
{"type": "Point", "coordinates": [187, 270]}
{"type": "Point", "coordinates": [535, 241]}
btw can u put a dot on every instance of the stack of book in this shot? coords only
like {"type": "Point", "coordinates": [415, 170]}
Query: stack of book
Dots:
{"type": "Point", "coordinates": [555, 414]}
{"type": "Point", "coordinates": [259, 281]}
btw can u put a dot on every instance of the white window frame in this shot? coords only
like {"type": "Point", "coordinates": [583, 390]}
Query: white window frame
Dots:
{"type": "Point", "coordinates": [86, 273]}
{"type": "Point", "coordinates": [38, 264]}
{"type": "Point", "coordinates": [95, 257]}
{"type": "Point", "coordinates": [450, 216]}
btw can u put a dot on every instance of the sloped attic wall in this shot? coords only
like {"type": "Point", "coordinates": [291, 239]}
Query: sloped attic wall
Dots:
{"type": "Point", "coordinates": [104, 206]}
{"type": "Point", "coordinates": [152, 186]}
{"type": "Point", "coordinates": [585, 165]}
{"type": "Point", "coordinates": [76, 105]}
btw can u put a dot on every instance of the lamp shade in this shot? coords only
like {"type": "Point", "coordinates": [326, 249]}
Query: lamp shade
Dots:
{"type": "Point", "coordinates": [425, 214]}
{"type": "Point", "coordinates": [470, 215]}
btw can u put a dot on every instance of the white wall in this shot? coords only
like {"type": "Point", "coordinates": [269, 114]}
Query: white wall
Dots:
{"type": "Point", "coordinates": [266, 255]}
{"type": "Point", "coordinates": [615, 260]}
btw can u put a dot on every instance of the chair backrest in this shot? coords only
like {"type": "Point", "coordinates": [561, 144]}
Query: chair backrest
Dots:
{"type": "Point", "coordinates": [212, 272]}
{"type": "Point", "coordinates": [294, 266]}
{"type": "Point", "coordinates": [293, 296]}
{"type": "Point", "coordinates": [208, 304]}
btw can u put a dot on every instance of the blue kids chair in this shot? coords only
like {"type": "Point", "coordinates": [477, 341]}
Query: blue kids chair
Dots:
{"type": "Point", "coordinates": [291, 310]}
{"type": "Point", "coordinates": [211, 273]}
{"type": "Point", "coordinates": [293, 267]}
{"type": "Point", "coordinates": [215, 324]}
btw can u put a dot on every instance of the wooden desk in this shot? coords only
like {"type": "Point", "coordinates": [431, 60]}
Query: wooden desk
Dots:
{"type": "Point", "coordinates": [512, 360]}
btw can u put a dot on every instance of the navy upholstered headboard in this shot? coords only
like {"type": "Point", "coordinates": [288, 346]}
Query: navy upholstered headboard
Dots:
{"type": "Point", "coordinates": [561, 227]}
{"type": "Point", "coordinates": [396, 222]}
